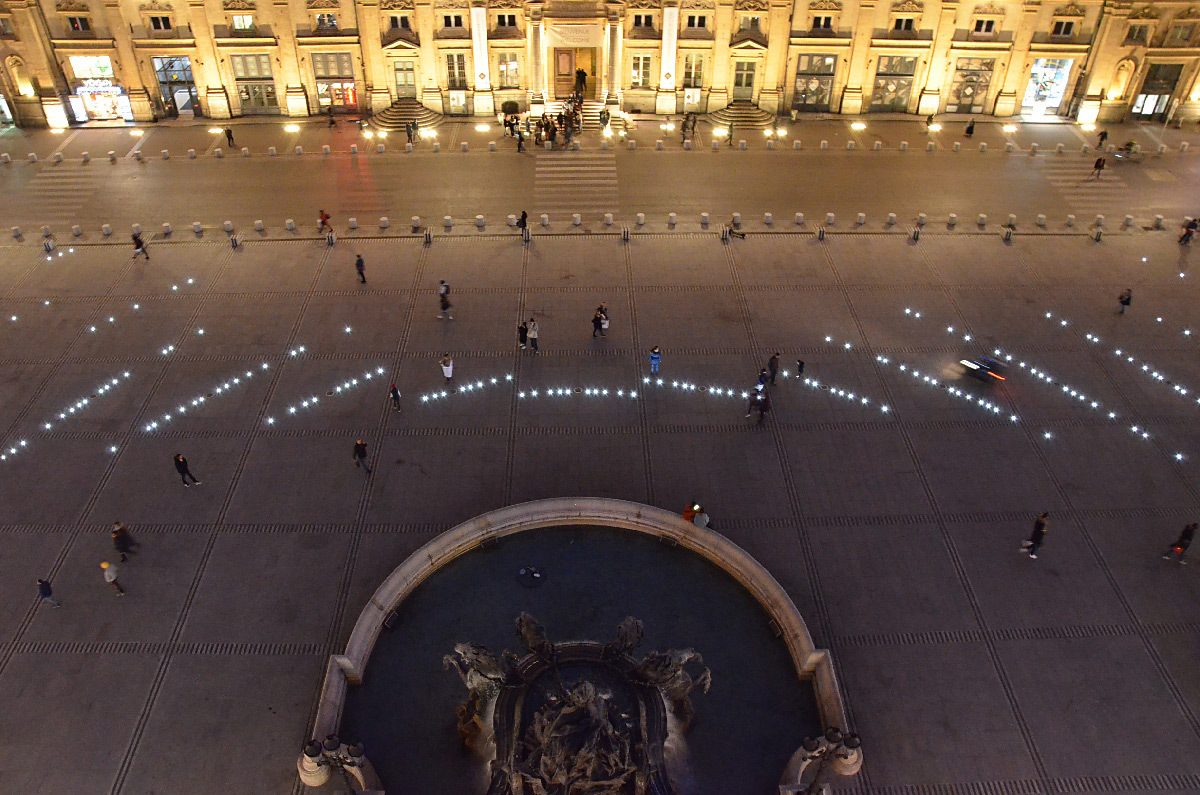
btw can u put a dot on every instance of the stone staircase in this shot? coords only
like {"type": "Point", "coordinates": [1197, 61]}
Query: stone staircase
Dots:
{"type": "Point", "coordinates": [403, 111]}
{"type": "Point", "coordinates": [743, 115]}
{"type": "Point", "coordinates": [591, 114]}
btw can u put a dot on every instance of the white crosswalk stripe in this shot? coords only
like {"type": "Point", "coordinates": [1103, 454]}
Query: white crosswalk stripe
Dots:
{"type": "Point", "coordinates": [56, 194]}
{"type": "Point", "coordinates": [1085, 193]}
{"type": "Point", "coordinates": [575, 182]}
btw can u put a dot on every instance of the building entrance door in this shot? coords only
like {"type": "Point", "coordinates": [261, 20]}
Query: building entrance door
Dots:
{"type": "Point", "coordinates": [1153, 103]}
{"type": "Point", "coordinates": [743, 80]}
{"type": "Point", "coordinates": [406, 78]}
{"type": "Point", "coordinates": [178, 91]}
{"type": "Point", "coordinates": [569, 60]}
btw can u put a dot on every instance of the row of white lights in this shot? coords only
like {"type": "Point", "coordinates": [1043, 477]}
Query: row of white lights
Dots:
{"type": "Point", "coordinates": [465, 388]}
{"type": "Point", "coordinates": [929, 380]}
{"type": "Point", "coordinates": [345, 386]}
{"type": "Point", "coordinates": [220, 389]}
{"type": "Point", "coordinates": [75, 408]}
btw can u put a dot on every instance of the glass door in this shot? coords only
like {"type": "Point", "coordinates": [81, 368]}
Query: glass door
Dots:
{"type": "Point", "coordinates": [743, 80]}
{"type": "Point", "coordinates": [406, 78]}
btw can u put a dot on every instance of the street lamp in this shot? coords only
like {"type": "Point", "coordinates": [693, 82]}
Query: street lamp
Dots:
{"type": "Point", "coordinates": [321, 758]}
{"type": "Point", "coordinates": [843, 751]}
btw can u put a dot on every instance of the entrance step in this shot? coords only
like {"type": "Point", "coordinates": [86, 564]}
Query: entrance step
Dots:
{"type": "Point", "coordinates": [403, 111]}
{"type": "Point", "coordinates": [591, 114]}
{"type": "Point", "coordinates": [743, 115]}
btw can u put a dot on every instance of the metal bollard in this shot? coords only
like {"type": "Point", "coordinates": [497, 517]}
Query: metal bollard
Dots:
{"type": "Point", "coordinates": [383, 222]}
{"type": "Point", "coordinates": [632, 145]}
{"type": "Point", "coordinates": [408, 147]}
{"type": "Point", "coordinates": [352, 222]}
{"type": "Point", "coordinates": [416, 222]}
{"type": "Point", "coordinates": [380, 148]}
{"type": "Point", "coordinates": [799, 219]}
{"type": "Point", "coordinates": [1162, 149]}
{"type": "Point", "coordinates": [447, 221]}
{"type": "Point", "coordinates": [112, 156]}
{"type": "Point", "coordinates": [138, 155]}
{"type": "Point", "coordinates": [197, 227]}
{"type": "Point", "coordinates": [191, 154]}
{"type": "Point", "coordinates": [219, 152]}
{"type": "Point", "coordinates": [479, 222]}
{"type": "Point", "coordinates": [290, 224]}
{"type": "Point", "coordinates": [922, 218]}
{"type": "Point", "coordinates": [106, 230]}
{"type": "Point", "coordinates": [137, 229]}
{"type": "Point", "coordinates": [641, 219]}
{"type": "Point", "coordinates": [1128, 221]}
{"type": "Point", "coordinates": [299, 149]}
{"type": "Point", "coordinates": [545, 219]}
{"type": "Point", "coordinates": [770, 144]}
{"type": "Point", "coordinates": [672, 219]}
{"type": "Point", "coordinates": [1012, 220]}
{"type": "Point", "coordinates": [325, 150]}
{"type": "Point", "coordinates": [850, 145]}
{"type": "Point", "coordinates": [228, 226]}
{"type": "Point", "coordinates": [491, 146]}
{"type": "Point", "coordinates": [1010, 146]}
{"type": "Point", "coordinates": [891, 219]}
{"type": "Point", "coordinates": [1060, 148]}
{"type": "Point", "coordinates": [1099, 220]}
{"type": "Point", "coordinates": [16, 231]}
{"type": "Point", "coordinates": [166, 229]}
{"type": "Point", "coordinates": [982, 219]}
{"type": "Point", "coordinates": [824, 144]}
{"type": "Point", "coordinates": [1033, 149]}
{"type": "Point", "coordinates": [353, 149]}
{"type": "Point", "coordinates": [703, 219]}
{"type": "Point", "coordinates": [796, 146]}
{"type": "Point", "coordinates": [84, 156]}
{"type": "Point", "coordinates": [246, 151]}
{"type": "Point", "coordinates": [1183, 147]}
{"type": "Point", "coordinates": [77, 230]}
{"type": "Point", "coordinates": [272, 151]}
{"type": "Point", "coordinates": [716, 145]}
{"type": "Point", "coordinates": [952, 220]}
{"type": "Point", "coordinates": [742, 145]}
{"type": "Point", "coordinates": [1085, 149]}
{"type": "Point", "coordinates": [464, 146]}
{"type": "Point", "coordinates": [576, 219]}
{"type": "Point", "coordinates": [6, 158]}
{"type": "Point", "coordinates": [829, 219]}
{"type": "Point", "coordinates": [258, 225]}
{"type": "Point", "coordinates": [957, 146]}
{"type": "Point", "coordinates": [862, 218]}
{"type": "Point", "coordinates": [878, 146]}
{"type": "Point", "coordinates": [1071, 220]}
{"type": "Point", "coordinates": [512, 220]}
{"type": "Point", "coordinates": [604, 145]}
{"type": "Point", "coordinates": [768, 218]}
{"type": "Point", "coordinates": [1158, 222]}
{"type": "Point", "coordinates": [658, 144]}
{"type": "Point", "coordinates": [929, 147]}
{"type": "Point", "coordinates": [166, 154]}
{"type": "Point", "coordinates": [57, 157]}
{"type": "Point", "coordinates": [1041, 220]}
{"type": "Point", "coordinates": [608, 219]}
{"type": "Point", "coordinates": [737, 220]}
{"type": "Point", "coordinates": [983, 147]}
{"type": "Point", "coordinates": [33, 158]}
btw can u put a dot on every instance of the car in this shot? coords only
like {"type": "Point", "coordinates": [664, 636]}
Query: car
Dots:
{"type": "Point", "coordinates": [984, 368]}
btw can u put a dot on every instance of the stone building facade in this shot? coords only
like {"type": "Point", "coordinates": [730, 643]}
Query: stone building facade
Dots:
{"type": "Point", "coordinates": [69, 61]}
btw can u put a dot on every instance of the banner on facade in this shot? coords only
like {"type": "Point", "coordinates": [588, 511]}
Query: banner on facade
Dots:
{"type": "Point", "coordinates": [569, 36]}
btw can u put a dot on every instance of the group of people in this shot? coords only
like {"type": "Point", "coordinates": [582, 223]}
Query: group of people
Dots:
{"type": "Point", "coordinates": [1041, 525]}
{"type": "Point", "coordinates": [412, 129]}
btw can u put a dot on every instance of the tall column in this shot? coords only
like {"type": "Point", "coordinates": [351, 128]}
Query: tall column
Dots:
{"type": "Point", "coordinates": [664, 102]}
{"type": "Point", "coordinates": [129, 74]}
{"type": "Point", "coordinates": [431, 68]}
{"type": "Point", "coordinates": [1012, 75]}
{"type": "Point", "coordinates": [861, 18]}
{"type": "Point", "coordinates": [485, 102]}
{"type": "Point", "coordinates": [718, 95]}
{"type": "Point", "coordinates": [376, 76]}
{"type": "Point", "coordinates": [206, 65]}
{"type": "Point", "coordinates": [937, 78]}
{"type": "Point", "coordinates": [534, 54]}
{"type": "Point", "coordinates": [613, 83]}
{"type": "Point", "coordinates": [779, 22]}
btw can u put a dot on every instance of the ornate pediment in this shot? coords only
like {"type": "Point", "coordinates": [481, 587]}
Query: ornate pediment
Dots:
{"type": "Point", "coordinates": [751, 5]}
{"type": "Point", "coordinates": [506, 4]}
{"type": "Point", "coordinates": [396, 5]}
{"type": "Point", "coordinates": [699, 4]}
{"type": "Point", "coordinates": [908, 7]}
{"type": "Point", "coordinates": [451, 4]}
{"type": "Point", "coordinates": [71, 7]}
{"type": "Point", "coordinates": [1070, 10]}
{"type": "Point", "coordinates": [643, 4]}
{"type": "Point", "coordinates": [825, 5]}
{"type": "Point", "coordinates": [1145, 12]}
{"type": "Point", "coordinates": [239, 5]}
{"type": "Point", "coordinates": [1191, 12]}
{"type": "Point", "coordinates": [155, 7]}
{"type": "Point", "coordinates": [989, 10]}
{"type": "Point", "coordinates": [319, 5]}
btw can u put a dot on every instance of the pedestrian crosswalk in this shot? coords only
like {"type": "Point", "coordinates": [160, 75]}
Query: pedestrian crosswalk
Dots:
{"type": "Point", "coordinates": [56, 194]}
{"type": "Point", "coordinates": [1084, 192]}
{"type": "Point", "coordinates": [575, 182]}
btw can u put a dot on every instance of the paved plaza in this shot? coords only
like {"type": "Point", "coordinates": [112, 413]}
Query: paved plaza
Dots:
{"type": "Point", "coordinates": [885, 492]}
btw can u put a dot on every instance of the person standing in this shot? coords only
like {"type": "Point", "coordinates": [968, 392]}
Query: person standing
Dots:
{"type": "Point", "coordinates": [1100, 139]}
{"type": "Point", "coordinates": [597, 324]}
{"type": "Point", "coordinates": [360, 455]}
{"type": "Point", "coordinates": [520, 140]}
{"type": "Point", "coordinates": [1180, 547]}
{"type": "Point", "coordinates": [1189, 231]}
{"type": "Point", "coordinates": [447, 368]}
{"type": "Point", "coordinates": [799, 367]}
{"type": "Point", "coordinates": [229, 136]}
{"type": "Point", "coordinates": [181, 466]}
{"type": "Point", "coordinates": [655, 359]}
{"type": "Point", "coordinates": [533, 334]}
{"type": "Point", "coordinates": [773, 367]}
{"type": "Point", "coordinates": [360, 267]}
{"type": "Point", "coordinates": [1040, 526]}
{"type": "Point", "coordinates": [764, 376]}
{"type": "Point", "coordinates": [46, 594]}
{"type": "Point", "coordinates": [110, 577]}
{"type": "Point", "coordinates": [928, 121]}
{"type": "Point", "coordinates": [970, 128]}
{"type": "Point", "coordinates": [701, 518]}
{"type": "Point", "coordinates": [1097, 167]}
{"type": "Point", "coordinates": [408, 130]}
{"type": "Point", "coordinates": [394, 393]}
{"type": "Point", "coordinates": [123, 543]}
{"type": "Point", "coordinates": [1124, 299]}
{"type": "Point", "coordinates": [603, 310]}
{"type": "Point", "coordinates": [522, 335]}
{"type": "Point", "coordinates": [731, 136]}
{"type": "Point", "coordinates": [139, 246]}
{"type": "Point", "coordinates": [523, 221]}
{"type": "Point", "coordinates": [445, 307]}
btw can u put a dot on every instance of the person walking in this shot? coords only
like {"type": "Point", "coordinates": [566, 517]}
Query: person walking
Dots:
{"type": "Point", "coordinates": [597, 324]}
{"type": "Point", "coordinates": [533, 334]}
{"type": "Point", "coordinates": [139, 246]}
{"type": "Point", "coordinates": [323, 221]}
{"type": "Point", "coordinates": [447, 368]}
{"type": "Point", "coordinates": [1097, 167]}
{"type": "Point", "coordinates": [445, 307]}
{"type": "Point", "coordinates": [655, 359]}
{"type": "Point", "coordinates": [408, 130]}
{"type": "Point", "coordinates": [394, 394]}
{"type": "Point", "coordinates": [1189, 231]}
{"type": "Point", "coordinates": [360, 268]}
{"type": "Point", "coordinates": [731, 136]}
{"type": "Point", "coordinates": [1124, 300]}
{"type": "Point", "coordinates": [1034, 543]}
{"type": "Point", "coordinates": [110, 577]}
{"type": "Point", "coordinates": [799, 367]}
{"type": "Point", "coordinates": [603, 310]}
{"type": "Point", "coordinates": [763, 404]}
{"type": "Point", "coordinates": [229, 136]}
{"type": "Point", "coordinates": [46, 594]}
{"type": "Point", "coordinates": [773, 367]}
{"type": "Point", "coordinates": [764, 375]}
{"type": "Point", "coordinates": [1180, 547]}
{"type": "Point", "coordinates": [443, 288]}
{"type": "Point", "coordinates": [360, 455]}
{"type": "Point", "coordinates": [970, 128]}
{"type": "Point", "coordinates": [523, 221]}
{"type": "Point", "coordinates": [1100, 139]}
{"type": "Point", "coordinates": [522, 335]}
{"type": "Point", "coordinates": [929, 121]}
{"type": "Point", "coordinates": [181, 466]}
{"type": "Point", "coordinates": [123, 542]}
{"type": "Point", "coordinates": [520, 140]}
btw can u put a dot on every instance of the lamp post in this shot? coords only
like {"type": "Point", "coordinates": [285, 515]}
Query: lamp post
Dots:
{"type": "Point", "coordinates": [321, 758]}
{"type": "Point", "coordinates": [842, 751]}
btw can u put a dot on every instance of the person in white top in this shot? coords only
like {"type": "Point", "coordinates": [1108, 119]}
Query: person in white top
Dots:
{"type": "Point", "coordinates": [533, 334]}
{"type": "Point", "coordinates": [448, 368]}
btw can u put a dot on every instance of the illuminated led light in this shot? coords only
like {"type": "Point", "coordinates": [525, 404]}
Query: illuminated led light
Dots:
{"type": "Point", "coordinates": [858, 125]}
{"type": "Point", "coordinates": [136, 307]}
{"type": "Point", "coordinates": [292, 128]}
{"type": "Point", "coordinates": [1009, 128]}
{"type": "Point", "coordinates": [137, 133]}
{"type": "Point", "coordinates": [348, 329]}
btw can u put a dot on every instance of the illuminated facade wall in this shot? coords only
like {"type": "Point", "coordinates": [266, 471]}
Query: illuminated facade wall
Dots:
{"type": "Point", "coordinates": [90, 59]}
